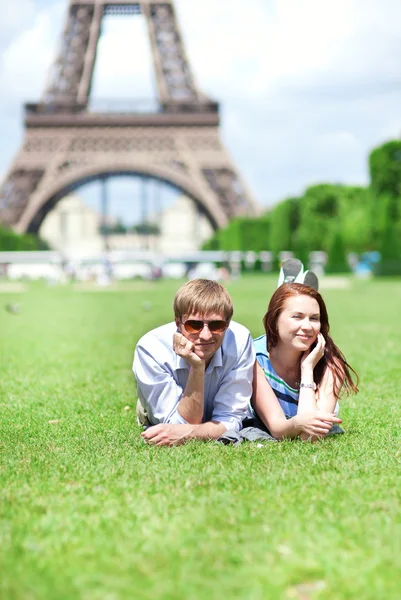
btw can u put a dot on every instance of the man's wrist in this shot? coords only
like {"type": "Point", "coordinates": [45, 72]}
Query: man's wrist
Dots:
{"type": "Point", "coordinates": [198, 366]}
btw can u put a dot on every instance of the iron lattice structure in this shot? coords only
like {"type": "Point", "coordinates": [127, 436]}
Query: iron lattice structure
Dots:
{"type": "Point", "coordinates": [67, 145]}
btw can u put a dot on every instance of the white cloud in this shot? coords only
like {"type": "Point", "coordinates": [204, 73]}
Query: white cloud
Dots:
{"type": "Point", "coordinates": [27, 58]}
{"type": "Point", "coordinates": [15, 16]}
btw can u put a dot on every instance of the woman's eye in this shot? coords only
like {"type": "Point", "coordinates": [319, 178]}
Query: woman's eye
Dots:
{"type": "Point", "coordinates": [297, 316]}
{"type": "Point", "coordinates": [315, 319]}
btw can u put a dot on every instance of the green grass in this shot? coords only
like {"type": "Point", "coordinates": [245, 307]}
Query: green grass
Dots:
{"type": "Point", "coordinates": [87, 510]}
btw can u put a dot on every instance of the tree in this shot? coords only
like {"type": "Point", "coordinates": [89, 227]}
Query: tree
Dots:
{"type": "Point", "coordinates": [12, 241]}
{"type": "Point", "coordinates": [284, 222]}
{"type": "Point", "coordinates": [146, 229]}
{"type": "Point", "coordinates": [241, 234]}
{"type": "Point", "coordinates": [385, 168]}
{"type": "Point", "coordinates": [390, 246]}
{"type": "Point", "coordinates": [318, 218]}
{"type": "Point", "coordinates": [329, 217]}
{"type": "Point", "coordinates": [337, 260]}
{"type": "Point", "coordinates": [357, 216]}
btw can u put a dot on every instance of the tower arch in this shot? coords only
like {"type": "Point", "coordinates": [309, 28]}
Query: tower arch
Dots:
{"type": "Point", "coordinates": [45, 200]}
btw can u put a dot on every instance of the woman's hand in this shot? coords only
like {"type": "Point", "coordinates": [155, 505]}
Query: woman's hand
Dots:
{"type": "Point", "coordinates": [312, 357]}
{"type": "Point", "coordinates": [315, 425]}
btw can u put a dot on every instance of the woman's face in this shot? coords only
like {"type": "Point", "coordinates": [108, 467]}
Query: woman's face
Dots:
{"type": "Point", "coordinates": [299, 322]}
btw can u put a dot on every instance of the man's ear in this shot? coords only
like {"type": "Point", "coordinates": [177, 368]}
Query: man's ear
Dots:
{"type": "Point", "coordinates": [177, 322]}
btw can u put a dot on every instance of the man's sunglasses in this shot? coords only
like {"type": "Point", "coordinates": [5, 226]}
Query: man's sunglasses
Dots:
{"type": "Point", "coordinates": [194, 326]}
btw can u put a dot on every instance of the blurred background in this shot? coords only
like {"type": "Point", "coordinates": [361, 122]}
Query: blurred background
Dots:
{"type": "Point", "coordinates": [310, 96]}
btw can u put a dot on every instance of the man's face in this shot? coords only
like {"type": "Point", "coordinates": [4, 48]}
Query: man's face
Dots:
{"type": "Point", "coordinates": [206, 342]}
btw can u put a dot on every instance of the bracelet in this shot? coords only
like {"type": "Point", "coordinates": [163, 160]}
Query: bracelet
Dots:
{"type": "Point", "coordinates": [312, 386]}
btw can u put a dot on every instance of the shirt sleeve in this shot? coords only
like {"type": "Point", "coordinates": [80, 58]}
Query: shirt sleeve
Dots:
{"type": "Point", "coordinates": [157, 389]}
{"type": "Point", "coordinates": [232, 399]}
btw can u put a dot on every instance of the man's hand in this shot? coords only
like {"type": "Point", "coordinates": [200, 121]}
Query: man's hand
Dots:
{"type": "Point", "coordinates": [185, 348]}
{"type": "Point", "coordinates": [165, 434]}
{"type": "Point", "coordinates": [315, 425]}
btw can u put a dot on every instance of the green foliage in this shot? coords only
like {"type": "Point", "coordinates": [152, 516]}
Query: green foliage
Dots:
{"type": "Point", "coordinates": [146, 229]}
{"type": "Point", "coordinates": [337, 260]}
{"type": "Point", "coordinates": [284, 222]}
{"type": "Point", "coordinates": [230, 237]}
{"type": "Point", "coordinates": [356, 217]}
{"type": "Point", "coordinates": [241, 234]}
{"type": "Point", "coordinates": [212, 243]}
{"type": "Point", "coordinates": [385, 168]}
{"type": "Point", "coordinates": [390, 248]}
{"type": "Point", "coordinates": [312, 221]}
{"type": "Point", "coordinates": [11, 241]}
{"type": "Point", "coordinates": [116, 228]}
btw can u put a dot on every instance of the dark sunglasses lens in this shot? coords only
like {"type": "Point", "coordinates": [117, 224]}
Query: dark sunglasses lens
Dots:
{"type": "Point", "coordinates": [193, 326]}
{"type": "Point", "coordinates": [217, 326]}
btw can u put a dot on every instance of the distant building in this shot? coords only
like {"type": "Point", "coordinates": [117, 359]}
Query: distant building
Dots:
{"type": "Point", "coordinates": [73, 228]}
{"type": "Point", "coordinates": [183, 227]}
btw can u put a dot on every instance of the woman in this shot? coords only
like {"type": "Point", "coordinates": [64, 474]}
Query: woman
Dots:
{"type": "Point", "coordinates": [299, 372]}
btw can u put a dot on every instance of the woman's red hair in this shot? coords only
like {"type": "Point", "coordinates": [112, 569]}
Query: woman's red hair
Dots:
{"type": "Point", "coordinates": [333, 358]}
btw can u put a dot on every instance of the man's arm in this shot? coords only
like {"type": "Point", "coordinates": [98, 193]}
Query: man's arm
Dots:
{"type": "Point", "coordinates": [192, 402]}
{"type": "Point", "coordinates": [163, 398]}
{"type": "Point", "coordinates": [158, 389]}
{"type": "Point", "coordinates": [173, 435]}
{"type": "Point", "coordinates": [233, 397]}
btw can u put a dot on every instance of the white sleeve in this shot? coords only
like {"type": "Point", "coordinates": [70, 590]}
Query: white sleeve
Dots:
{"type": "Point", "coordinates": [232, 400]}
{"type": "Point", "coordinates": [158, 391]}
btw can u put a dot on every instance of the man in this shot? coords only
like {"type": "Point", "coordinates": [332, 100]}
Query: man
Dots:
{"type": "Point", "coordinates": [194, 376]}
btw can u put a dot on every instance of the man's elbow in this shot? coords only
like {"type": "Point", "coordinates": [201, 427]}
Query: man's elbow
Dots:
{"type": "Point", "coordinates": [193, 420]}
{"type": "Point", "coordinates": [190, 417]}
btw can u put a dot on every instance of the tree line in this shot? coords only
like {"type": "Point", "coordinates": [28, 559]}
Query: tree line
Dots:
{"type": "Point", "coordinates": [10, 241]}
{"type": "Point", "coordinates": [338, 219]}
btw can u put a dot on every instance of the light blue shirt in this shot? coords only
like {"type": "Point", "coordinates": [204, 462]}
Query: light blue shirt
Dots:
{"type": "Point", "coordinates": [162, 375]}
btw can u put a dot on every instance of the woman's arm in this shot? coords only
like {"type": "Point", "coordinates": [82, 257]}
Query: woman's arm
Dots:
{"type": "Point", "coordinates": [307, 425]}
{"type": "Point", "coordinates": [326, 399]}
{"type": "Point", "coordinates": [268, 408]}
{"type": "Point", "coordinates": [323, 400]}
{"type": "Point", "coordinates": [307, 401]}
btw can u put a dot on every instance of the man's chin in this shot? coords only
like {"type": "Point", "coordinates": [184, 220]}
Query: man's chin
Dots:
{"type": "Point", "coordinates": [204, 351]}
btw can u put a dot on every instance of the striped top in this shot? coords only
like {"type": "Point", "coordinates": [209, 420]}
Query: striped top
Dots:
{"type": "Point", "coordinates": [286, 395]}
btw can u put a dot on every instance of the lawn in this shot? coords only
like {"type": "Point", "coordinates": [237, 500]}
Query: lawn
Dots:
{"type": "Point", "coordinates": [87, 510]}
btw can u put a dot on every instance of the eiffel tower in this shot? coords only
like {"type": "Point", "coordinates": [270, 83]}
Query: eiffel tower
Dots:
{"type": "Point", "coordinates": [67, 145]}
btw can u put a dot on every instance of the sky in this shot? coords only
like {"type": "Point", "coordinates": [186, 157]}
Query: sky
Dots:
{"type": "Point", "coordinates": [307, 87]}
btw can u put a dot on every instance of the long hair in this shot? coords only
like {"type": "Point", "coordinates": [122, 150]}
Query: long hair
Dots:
{"type": "Point", "coordinates": [333, 358]}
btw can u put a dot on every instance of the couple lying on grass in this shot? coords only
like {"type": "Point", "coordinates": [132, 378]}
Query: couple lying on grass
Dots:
{"type": "Point", "coordinates": [202, 376]}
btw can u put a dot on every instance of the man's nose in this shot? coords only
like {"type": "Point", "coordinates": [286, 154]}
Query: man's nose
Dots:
{"type": "Point", "coordinates": [205, 334]}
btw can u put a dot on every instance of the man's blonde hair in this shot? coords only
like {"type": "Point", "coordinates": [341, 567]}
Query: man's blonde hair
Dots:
{"type": "Point", "coordinates": [203, 297]}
